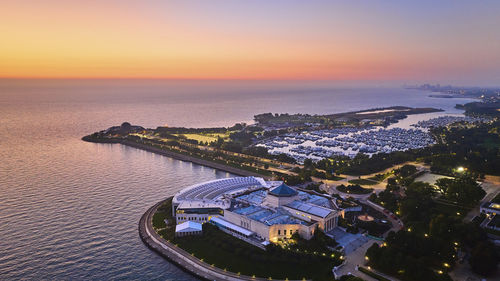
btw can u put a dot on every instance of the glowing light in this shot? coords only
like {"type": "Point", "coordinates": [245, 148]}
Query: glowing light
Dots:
{"type": "Point", "coordinates": [460, 169]}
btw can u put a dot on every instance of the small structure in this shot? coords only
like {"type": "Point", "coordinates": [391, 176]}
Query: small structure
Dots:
{"type": "Point", "coordinates": [490, 208]}
{"type": "Point", "coordinates": [188, 228]}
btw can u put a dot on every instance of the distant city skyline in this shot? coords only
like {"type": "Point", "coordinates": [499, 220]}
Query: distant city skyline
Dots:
{"type": "Point", "coordinates": [447, 42]}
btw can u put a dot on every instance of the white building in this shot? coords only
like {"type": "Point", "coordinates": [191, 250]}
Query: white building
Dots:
{"type": "Point", "coordinates": [251, 208]}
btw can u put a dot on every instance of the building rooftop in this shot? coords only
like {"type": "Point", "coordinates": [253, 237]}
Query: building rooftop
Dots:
{"type": "Point", "coordinates": [283, 191]}
{"type": "Point", "coordinates": [204, 204]}
{"type": "Point", "coordinates": [255, 198]}
{"type": "Point", "coordinates": [309, 208]}
{"type": "Point", "coordinates": [315, 199]}
{"type": "Point", "coordinates": [188, 226]}
{"type": "Point", "coordinates": [216, 189]}
{"type": "Point", "coordinates": [491, 205]}
{"type": "Point", "coordinates": [268, 216]}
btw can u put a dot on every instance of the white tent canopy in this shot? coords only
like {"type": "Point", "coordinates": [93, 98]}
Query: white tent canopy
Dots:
{"type": "Point", "coordinates": [188, 226]}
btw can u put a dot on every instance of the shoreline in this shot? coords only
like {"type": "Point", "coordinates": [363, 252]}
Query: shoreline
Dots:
{"type": "Point", "coordinates": [178, 256]}
{"type": "Point", "coordinates": [182, 157]}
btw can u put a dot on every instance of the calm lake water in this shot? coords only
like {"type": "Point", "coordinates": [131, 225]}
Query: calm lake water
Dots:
{"type": "Point", "coordinates": [69, 209]}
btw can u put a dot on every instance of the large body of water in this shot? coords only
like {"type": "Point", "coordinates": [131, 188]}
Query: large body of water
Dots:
{"type": "Point", "coordinates": [69, 209]}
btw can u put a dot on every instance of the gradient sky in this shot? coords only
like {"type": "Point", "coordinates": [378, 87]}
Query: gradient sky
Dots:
{"type": "Point", "coordinates": [437, 41]}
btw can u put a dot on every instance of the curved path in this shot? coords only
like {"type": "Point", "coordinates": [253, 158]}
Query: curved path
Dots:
{"type": "Point", "coordinates": [180, 257]}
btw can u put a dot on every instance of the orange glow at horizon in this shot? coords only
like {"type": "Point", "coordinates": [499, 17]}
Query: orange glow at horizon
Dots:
{"type": "Point", "coordinates": [126, 39]}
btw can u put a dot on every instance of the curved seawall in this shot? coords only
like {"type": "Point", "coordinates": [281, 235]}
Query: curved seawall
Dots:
{"type": "Point", "coordinates": [180, 257]}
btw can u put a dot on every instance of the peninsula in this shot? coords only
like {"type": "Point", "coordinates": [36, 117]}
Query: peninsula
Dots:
{"type": "Point", "coordinates": [301, 201]}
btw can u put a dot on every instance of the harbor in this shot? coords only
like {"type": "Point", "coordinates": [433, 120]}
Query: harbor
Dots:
{"type": "Point", "coordinates": [369, 139]}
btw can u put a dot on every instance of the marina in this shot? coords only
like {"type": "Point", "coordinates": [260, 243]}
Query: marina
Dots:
{"type": "Point", "coordinates": [349, 141]}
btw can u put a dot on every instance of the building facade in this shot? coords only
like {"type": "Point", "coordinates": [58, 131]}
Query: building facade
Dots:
{"type": "Point", "coordinates": [251, 208]}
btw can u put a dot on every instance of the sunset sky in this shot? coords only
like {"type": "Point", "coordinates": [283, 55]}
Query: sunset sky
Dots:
{"type": "Point", "coordinates": [436, 41]}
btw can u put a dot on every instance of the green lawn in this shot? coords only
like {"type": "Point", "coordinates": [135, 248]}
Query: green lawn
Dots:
{"type": "Point", "coordinates": [227, 252]}
{"type": "Point", "coordinates": [198, 137]}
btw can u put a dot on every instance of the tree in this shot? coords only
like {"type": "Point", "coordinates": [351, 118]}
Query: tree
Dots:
{"type": "Point", "coordinates": [406, 171]}
{"type": "Point", "coordinates": [232, 146]}
{"type": "Point", "coordinates": [484, 258]}
{"type": "Point", "coordinates": [417, 205]}
{"type": "Point", "coordinates": [463, 190]}
{"type": "Point", "coordinates": [308, 163]}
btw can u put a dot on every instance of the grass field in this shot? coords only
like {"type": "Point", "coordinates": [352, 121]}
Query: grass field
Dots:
{"type": "Point", "coordinates": [199, 138]}
{"type": "Point", "coordinates": [204, 137]}
{"type": "Point", "coordinates": [227, 252]}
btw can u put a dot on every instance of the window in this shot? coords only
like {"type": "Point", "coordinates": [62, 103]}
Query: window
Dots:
{"type": "Point", "coordinates": [284, 232]}
{"type": "Point", "coordinates": [279, 232]}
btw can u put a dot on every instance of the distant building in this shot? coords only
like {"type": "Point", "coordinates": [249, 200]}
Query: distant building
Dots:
{"type": "Point", "coordinates": [255, 210]}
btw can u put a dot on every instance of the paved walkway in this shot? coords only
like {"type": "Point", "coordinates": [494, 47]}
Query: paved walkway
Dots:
{"type": "Point", "coordinates": [349, 241]}
{"type": "Point", "coordinates": [357, 258]}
